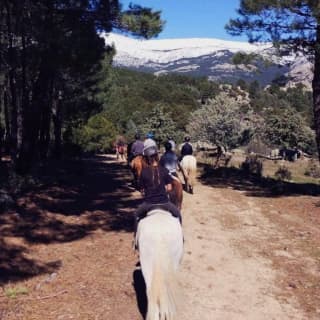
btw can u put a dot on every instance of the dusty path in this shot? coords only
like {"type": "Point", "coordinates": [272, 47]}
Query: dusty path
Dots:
{"type": "Point", "coordinates": [224, 276]}
{"type": "Point", "coordinates": [76, 246]}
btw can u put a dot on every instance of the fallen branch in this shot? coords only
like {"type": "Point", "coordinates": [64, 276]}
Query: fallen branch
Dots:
{"type": "Point", "coordinates": [52, 296]}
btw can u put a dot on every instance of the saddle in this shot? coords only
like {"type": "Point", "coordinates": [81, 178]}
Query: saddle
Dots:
{"type": "Point", "coordinates": [149, 211]}
{"type": "Point", "coordinates": [157, 210]}
{"type": "Point", "coordinates": [152, 207]}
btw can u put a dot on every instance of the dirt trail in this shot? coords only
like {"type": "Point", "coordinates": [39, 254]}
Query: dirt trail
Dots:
{"type": "Point", "coordinates": [78, 263]}
{"type": "Point", "coordinates": [224, 275]}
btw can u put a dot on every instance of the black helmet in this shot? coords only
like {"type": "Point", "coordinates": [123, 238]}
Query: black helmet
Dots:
{"type": "Point", "coordinates": [137, 136]}
{"type": "Point", "coordinates": [168, 146]}
{"type": "Point", "coordinates": [186, 138]}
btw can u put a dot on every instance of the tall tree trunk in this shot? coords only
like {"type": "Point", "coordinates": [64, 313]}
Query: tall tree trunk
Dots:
{"type": "Point", "coordinates": [2, 130]}
{"type": "Point", "coordinates": [316, 90]}
{"type": "Point", "coordinates": [12, 79]}
{"type": "Point", "coordinates": [44, 137]}
{"type": "Point", "coordinates": [29, 146]}
{"type": "Point", "coordinates": [29, 152]}
{"type": "Point", "coordinates": [57, 123]}
{"type": "Point", "coordinates": [7, 134]}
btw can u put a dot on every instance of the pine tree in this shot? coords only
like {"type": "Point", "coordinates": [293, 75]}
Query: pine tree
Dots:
{"type": "Point", "coordinates": [161, 124]}
{"type": "Point", "coordinates": [49, 53]}
{"type": "Point", "coordinates": [289, 24]}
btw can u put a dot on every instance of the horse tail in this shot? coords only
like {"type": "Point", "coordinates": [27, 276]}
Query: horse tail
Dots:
{"type": "Point", "coordinates": [163, 290]}
{"type": "Point", "coordinates": [189, 166]}
{"type": "Point", "coordinates": [193, 173]}
{"type": "Point", "coordinates": [136, 165]}
{"type": "Point", "coordinates": [176, 194]}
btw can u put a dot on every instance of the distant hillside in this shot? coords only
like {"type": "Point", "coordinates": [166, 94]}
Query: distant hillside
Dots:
{"type": "Point", "coordinates": [211, 58]}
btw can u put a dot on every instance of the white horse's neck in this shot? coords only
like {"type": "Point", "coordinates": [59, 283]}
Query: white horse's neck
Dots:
{"type": "Point", "coordinates": [158, 211]}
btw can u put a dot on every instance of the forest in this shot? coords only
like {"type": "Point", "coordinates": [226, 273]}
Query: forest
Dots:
{"type": "Point", "coordinates": [50, 59]}
{"type": "Point", "coordinates": [60, 96]}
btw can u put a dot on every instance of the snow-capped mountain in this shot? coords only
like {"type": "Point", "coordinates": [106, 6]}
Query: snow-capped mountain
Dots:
{"type": "Point", "coordinates": [209, 57]}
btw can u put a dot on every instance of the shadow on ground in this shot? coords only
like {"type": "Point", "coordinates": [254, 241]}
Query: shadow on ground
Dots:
{"type": "Point", "coordinates": [140, 290]}
{"type": "Point", "coordinates": [84, 196]}
{"type": "Point", "coordinates": [254, 185]}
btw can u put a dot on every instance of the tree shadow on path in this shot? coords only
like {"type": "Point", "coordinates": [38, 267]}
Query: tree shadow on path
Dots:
{"type": "Point", "coordinates": [84, 196]}
{"type": "Point", "coordinates": [254, 185]}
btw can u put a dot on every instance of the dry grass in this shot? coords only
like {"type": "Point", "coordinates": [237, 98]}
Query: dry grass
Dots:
{"type": "Point", "coordinates": [270, 167]}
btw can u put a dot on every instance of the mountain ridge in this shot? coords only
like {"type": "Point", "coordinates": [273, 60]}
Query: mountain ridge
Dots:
{"type": "Point", "coordinates": [209, 57]}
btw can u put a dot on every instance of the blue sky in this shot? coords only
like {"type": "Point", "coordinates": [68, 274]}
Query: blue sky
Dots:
{"type": "Point", "coordinates": [194, 18]}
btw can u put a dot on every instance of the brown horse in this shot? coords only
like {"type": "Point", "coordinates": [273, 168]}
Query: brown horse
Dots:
{"type": "Point", "coordinates": [175, 195]}
{"type": "Point", "coordinates": [121, 151]}
{"type": "Point", "coordinates": [136, 165]}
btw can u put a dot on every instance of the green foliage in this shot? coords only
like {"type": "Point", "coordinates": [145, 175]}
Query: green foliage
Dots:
{"type": "Point", "coordinates": [287, 21]}
{"type": "Point", "coordinates": [131, 130]}
{"type": "Point", "coordinates": [217, 122]}
{"type": "Point", "coordinates": [142, 21]}
{"type": "Point", "coordinates": [254, 89]}
{"type": "Point", "coordinates": [132, 95]}
{"type": "Point", "coordinates": [300, 99]}
{"type": "Point", "coordinates": [13, 292]}
{"type": "Point", "coordinates": [288, 129]}
{"type": "Point", "coordinates": [242, 84]}
{"type": "Point", "coordinates": [161, 124]}
{"type": "Point", "coordinates": [313, 169]}
{"type": "Point", "coordinates": [50, 68]}
{"type": "Point", "coordinates": [244, 58]}
{"type": "Point", "coordinates": [129, 98]}
{"type": "Point", "coordinates": [252, 165]}
{"type": "Point", "coordinates": [291, 26]}
{"type": "Point", "coordinates": [256, 145]}
{"type": "Point", "coordinates": [96, 136]}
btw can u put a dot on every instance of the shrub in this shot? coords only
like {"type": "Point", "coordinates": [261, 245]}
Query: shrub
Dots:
{"type": "Point", "coordinates": [288, 128]}
{"type": "Point", "coordinates": [313, 169]}
{"type": "Point", "coordinates": [256, 145]}
{"type": "Point", "coordinates": [283, 173]}
{"type": "Point", "coordinates": [13, 292]}
{"type": "Point", "coordinates": [252, 165]}
{"type": "Point", "coordinates": [96, 136]}
{"type": "Point", "coordinates": [218, 122]}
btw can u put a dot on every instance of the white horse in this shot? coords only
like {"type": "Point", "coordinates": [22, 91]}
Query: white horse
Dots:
{"type": "Point", "coordinates": [189, 171]}
{"type": "Point", "coordinates": [159, 240]}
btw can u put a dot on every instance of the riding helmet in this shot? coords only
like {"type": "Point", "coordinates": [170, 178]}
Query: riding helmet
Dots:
{"type": "Point", "coordinates": [150, 148]}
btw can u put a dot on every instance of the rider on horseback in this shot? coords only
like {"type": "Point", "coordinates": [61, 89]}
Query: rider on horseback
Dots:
{"type": "Point", "coordinates": [137, 147]}
{"type": "Point", "coordinates": [173, 144]}
{"type": "Point", "coordinates": [170, 160]}
{"type": "Point", "coordinates": [155, 183]}
{"type": "Point", "coordinates": [186, 148]}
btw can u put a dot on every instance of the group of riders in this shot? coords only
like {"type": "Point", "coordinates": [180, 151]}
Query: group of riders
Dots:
{"type": "Point", "coordinates": [157, 174]}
